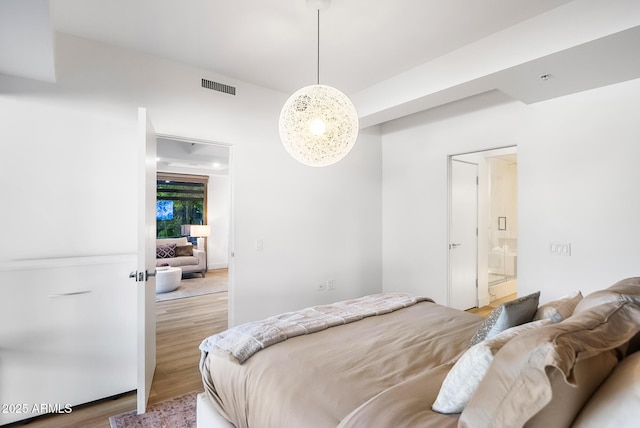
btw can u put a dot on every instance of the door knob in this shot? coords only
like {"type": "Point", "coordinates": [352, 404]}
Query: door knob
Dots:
{"type": "Point", "coordinates": [138, 276]}
{"type": "Point", "coordinates": [454, 245]}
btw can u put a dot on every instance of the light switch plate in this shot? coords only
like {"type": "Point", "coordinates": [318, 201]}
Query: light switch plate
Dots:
{"type": "Point", "coordinates": [560, 248]}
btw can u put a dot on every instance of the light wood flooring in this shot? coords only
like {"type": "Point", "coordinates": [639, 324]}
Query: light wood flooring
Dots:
{"type": "Point", "coordinates": [486, 310]}
{"type": "Point", "coordinates": [181, 325]}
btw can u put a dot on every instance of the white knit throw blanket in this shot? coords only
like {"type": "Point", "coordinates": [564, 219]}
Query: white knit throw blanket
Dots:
{"type": "Point", "coordinates": [244, 340]}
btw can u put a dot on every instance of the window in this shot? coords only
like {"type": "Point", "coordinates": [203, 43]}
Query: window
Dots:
{"type": "Point", "coordinates": [181, 201]}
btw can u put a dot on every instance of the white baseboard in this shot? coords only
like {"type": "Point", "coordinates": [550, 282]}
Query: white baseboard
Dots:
{"type": "Point", "coordinates": [503, 289]}
{"type": "Point", "coordinates": [484, 301]}
{"type": "Point", "coordinates": [212, 266]}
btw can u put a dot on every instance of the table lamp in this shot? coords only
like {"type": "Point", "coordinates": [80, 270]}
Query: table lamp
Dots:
{"type": "Point", "coordinates": [200, 231]}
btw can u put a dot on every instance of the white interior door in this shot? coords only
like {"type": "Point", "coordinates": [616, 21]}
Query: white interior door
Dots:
{"type": "Point", "coordinates": [145, 276]}
{"type": "Point", "coordinates": [463, 243]}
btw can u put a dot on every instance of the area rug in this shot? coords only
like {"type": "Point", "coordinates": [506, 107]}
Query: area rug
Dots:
{"type": "Point", "coordinates": [179, 412]}
{"type": "Point", "coordinates": [195, 285]}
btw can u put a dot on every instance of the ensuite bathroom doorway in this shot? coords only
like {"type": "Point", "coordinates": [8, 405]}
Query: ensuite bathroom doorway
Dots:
{"type": "Point", "coordinates": [502, 245]}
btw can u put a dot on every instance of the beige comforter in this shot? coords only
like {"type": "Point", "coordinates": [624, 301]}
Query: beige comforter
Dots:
{"type": "Point", "coordinates": [242, 341]}
{"type": "Point", "coordinates": [381, 371]}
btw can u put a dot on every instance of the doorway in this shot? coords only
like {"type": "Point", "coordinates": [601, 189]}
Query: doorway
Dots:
{"type": "Point", "coordinates": [496, 255]}
{"type": "Point", "coordinates": [187, 163]}
{"type": "Point", "coordinates": [502, 245]}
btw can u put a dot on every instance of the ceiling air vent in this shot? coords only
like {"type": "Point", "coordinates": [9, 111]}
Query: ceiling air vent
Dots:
{"type": "Point", "coordinates": [220, 87]}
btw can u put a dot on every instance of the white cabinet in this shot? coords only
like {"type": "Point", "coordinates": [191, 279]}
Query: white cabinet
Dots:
{"type": "Point", "coordinates": [67, 333]}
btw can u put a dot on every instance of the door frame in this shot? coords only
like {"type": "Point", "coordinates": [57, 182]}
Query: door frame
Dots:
{"type": "Point", "coordinates": [231, 243]}
{"type": "Point", "coordinates": [483, 286]}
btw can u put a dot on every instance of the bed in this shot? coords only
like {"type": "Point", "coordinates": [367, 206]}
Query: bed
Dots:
{"type": "Point", "coordinates": [392, 367]}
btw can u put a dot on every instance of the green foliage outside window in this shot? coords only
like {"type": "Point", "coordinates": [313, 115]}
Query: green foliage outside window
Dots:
{"type": "Point", "coordinates": [188, 207]}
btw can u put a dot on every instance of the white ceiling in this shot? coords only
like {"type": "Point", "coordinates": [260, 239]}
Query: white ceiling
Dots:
{"type": "Point", "coordinates": [273, 43]}
{"type": "Point", "coordinates": [392, 57]}
{"type": "Point", "coordinates": [192, 157]}
{"type": "Point", "coordinates": [26, 42]}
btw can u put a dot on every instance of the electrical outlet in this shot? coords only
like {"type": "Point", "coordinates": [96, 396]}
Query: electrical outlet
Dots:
{"type": "Point", "coordinates": [321, 286]}
{"type": "Point", "coordinates": [331, 284]}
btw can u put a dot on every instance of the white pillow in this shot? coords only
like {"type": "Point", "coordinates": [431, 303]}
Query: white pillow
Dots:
{"type": "Point", "coordinates": [464, 377]}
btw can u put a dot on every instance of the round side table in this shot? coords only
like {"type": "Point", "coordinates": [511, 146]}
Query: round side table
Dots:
{"type": "Point", "coordinates": [167, 279]}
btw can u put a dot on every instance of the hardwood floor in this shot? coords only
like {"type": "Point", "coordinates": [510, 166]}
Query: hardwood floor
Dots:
{"type": "Point", "coordinates": [486, 310]}
{"type": "Point", "coordinates": [181, 326]}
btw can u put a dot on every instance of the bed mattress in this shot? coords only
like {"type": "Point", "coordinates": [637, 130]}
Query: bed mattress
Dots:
{"type": "Point", "coordinates": [384, 370]}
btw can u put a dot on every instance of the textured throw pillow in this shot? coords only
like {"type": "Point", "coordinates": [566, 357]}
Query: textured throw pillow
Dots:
{"type": "Point", "coordinates": [463, 378]}
{"type": "Point", "coordinates": [507, 315]}
{"type": "Point", "coordinates": [184, 250]}
{"type": "Point", "coordinates": [560, 309]}
{"type": "Point", "coordinates": [165, 251]}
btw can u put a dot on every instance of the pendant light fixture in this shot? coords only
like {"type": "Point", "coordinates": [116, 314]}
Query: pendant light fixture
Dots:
{"type": "Point", "coordinates": [318, 123]}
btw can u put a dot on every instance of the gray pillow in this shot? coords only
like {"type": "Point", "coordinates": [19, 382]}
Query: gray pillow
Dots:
{"type": "Point", "coordinates": [507, 315]}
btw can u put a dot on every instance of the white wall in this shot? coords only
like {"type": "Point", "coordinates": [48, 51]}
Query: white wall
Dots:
{"type": "Point", "coordinates": [504, 201]}
{"type": "Point", "coordinates": [578, 183]}
{"type": "Point", "coordinates": [577, 179]}
{"type": "Point", "coordinates": [317, 224]}
{"type": "Point", "coordinates": [218, 213]}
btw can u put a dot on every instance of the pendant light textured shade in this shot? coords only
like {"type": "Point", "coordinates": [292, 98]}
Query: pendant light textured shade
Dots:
{"type": "Point", "coordinates": [318, 125]}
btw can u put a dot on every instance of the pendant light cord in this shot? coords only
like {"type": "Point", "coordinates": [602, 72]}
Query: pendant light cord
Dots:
{"type": "Point", "coordinates": [318, 71]}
